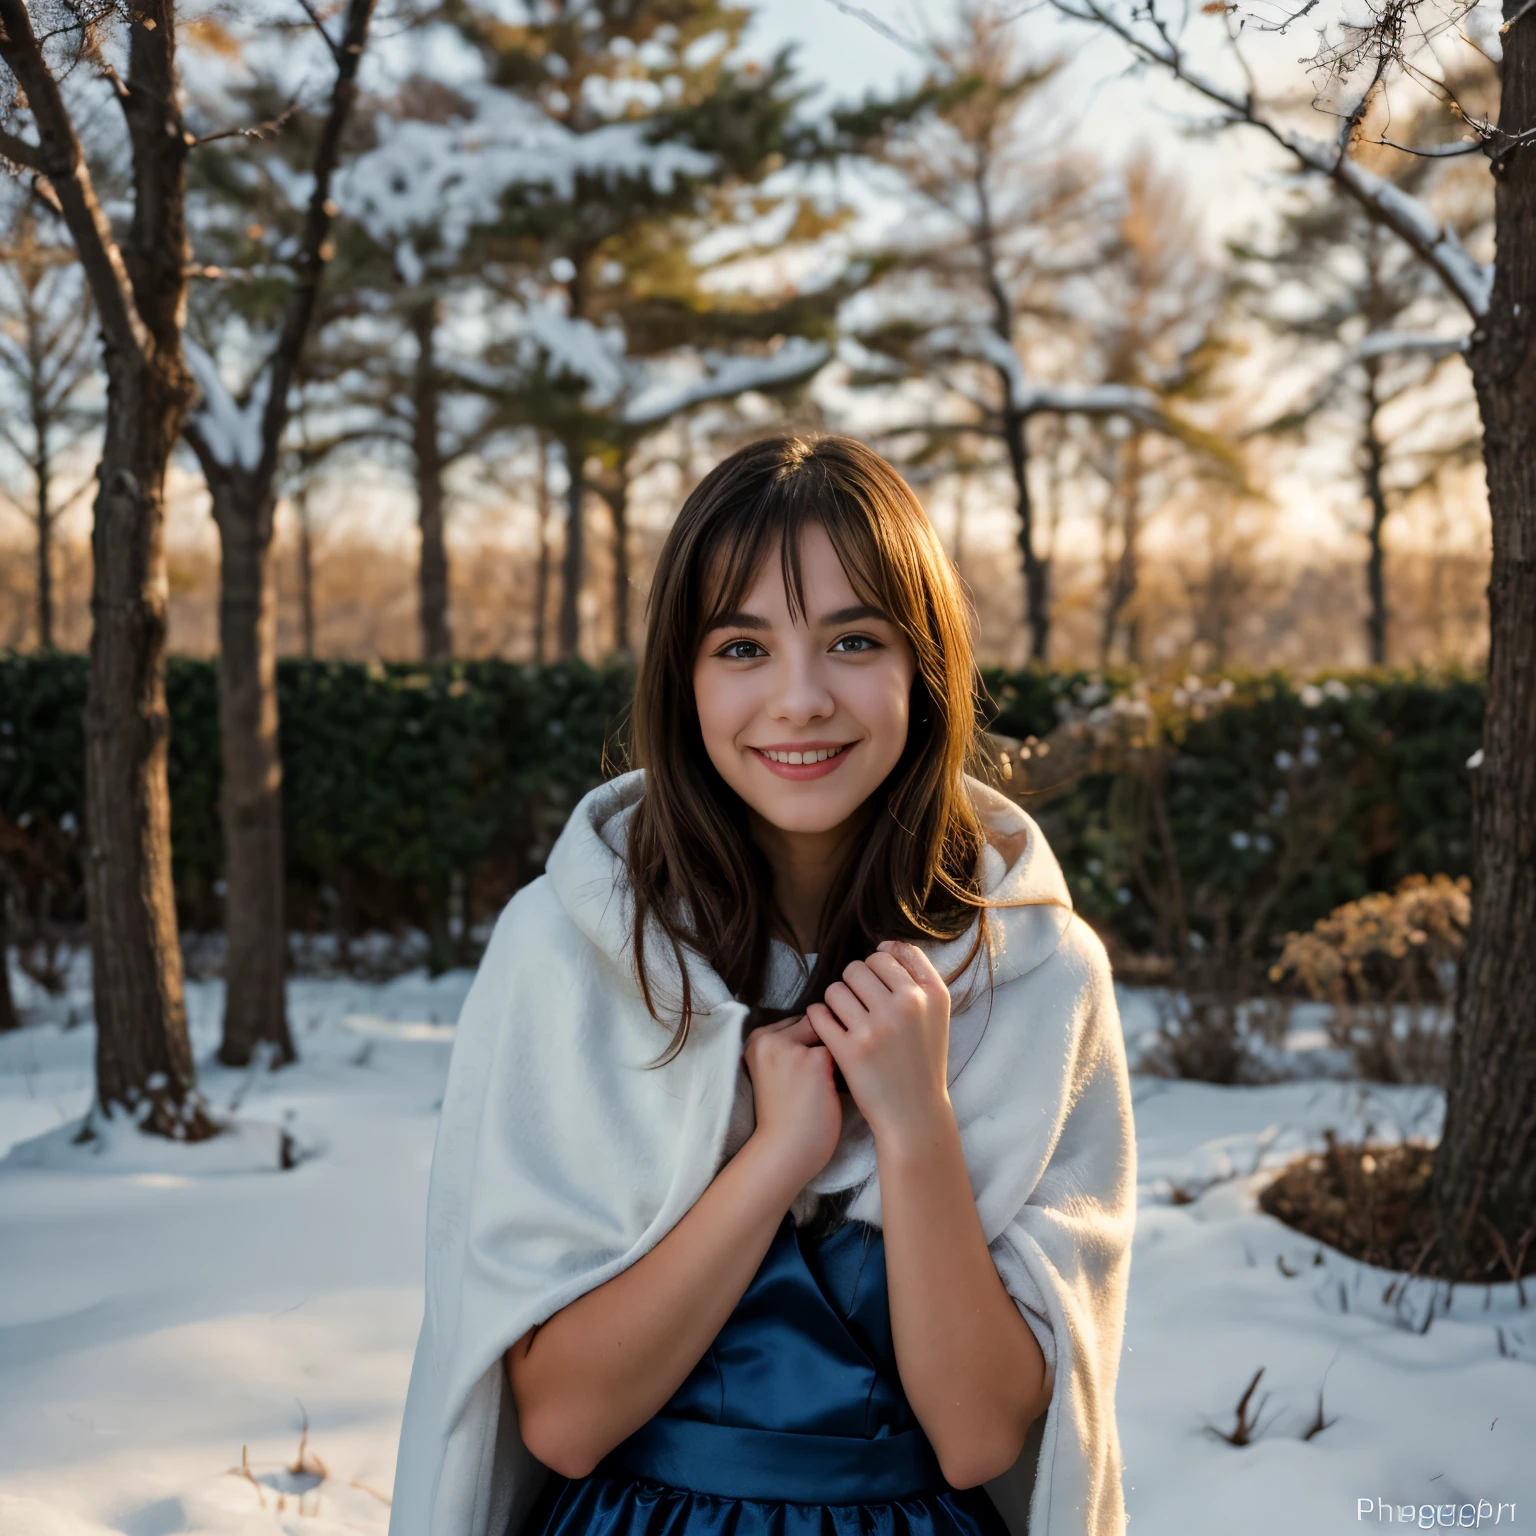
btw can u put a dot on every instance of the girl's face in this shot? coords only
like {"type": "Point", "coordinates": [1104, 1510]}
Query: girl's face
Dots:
{"type": "Point", "coordinates": [805, 718]}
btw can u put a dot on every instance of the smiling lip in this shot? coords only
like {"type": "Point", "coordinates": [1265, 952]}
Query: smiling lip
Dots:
{"type": "Point", "coordinates": [805, 770]}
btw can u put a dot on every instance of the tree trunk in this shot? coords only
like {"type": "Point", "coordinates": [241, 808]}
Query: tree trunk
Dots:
{"type": "Point", "coordinates": [43, 474]}
{"type": "Point", "coordinates": [436, 644]}
{"type": "Point", "coordinates": [541, 575]}
{"type": "Point", "coordinates": [618, 506]}
{"type": "Point", "coordinates": [9, 1018]}
{"type": "Point", "coordinates": [251, 791]}
{"type": "Point", "coordinates": [574, 563]}
{"type": "Point", "coordinates": [142, 1050]}
{"type": "Point", "coordinates": [1126, 576]}
{"type": "Point", "coordinates": [1485, 1167]}
{"type": "Point", "coordinates": [143, 1057]}
{"type": "Point", "coordinates": [1375, 494]}
{"type": "Point", "coordinates": [1037, 576]}
{"type": "Point", "coordinates": [306, 568]}
{"type": "Point", "coordinates": [44, 567]}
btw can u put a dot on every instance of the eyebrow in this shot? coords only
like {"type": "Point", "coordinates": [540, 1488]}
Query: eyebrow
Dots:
{"type": "Point", "coordinates": [839, 616]}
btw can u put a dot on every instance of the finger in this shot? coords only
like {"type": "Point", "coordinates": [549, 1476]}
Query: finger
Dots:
{"type": "Point", "coordinates": [865, 984]}
{"type": "Point", "coordinates": [891, 971]}
{"type": "Point", "coordinates": [828, 1030]}
{"type": "Point", "coordinates": [826, 1023]}
{"type": "Point", "coordinates": [776, 1025]}
{"type": "Point", "coordinates": [842, 1000]}
{"type": "Point", "coordinates": [799, 1030]}
{"type": "Point", "coordinates": [914, 961]}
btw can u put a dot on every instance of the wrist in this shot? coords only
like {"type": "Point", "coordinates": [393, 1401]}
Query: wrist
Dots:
{"type": "Point", "coordinates": [779, 1166]}
{"type": "Point", "coordinates": [917, 1137]}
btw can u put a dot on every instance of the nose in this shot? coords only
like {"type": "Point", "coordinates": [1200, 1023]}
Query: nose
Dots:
{"type": "Point", "coordinates": [800, 694]}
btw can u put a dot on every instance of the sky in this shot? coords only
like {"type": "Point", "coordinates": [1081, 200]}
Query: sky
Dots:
{"type": "Point", "coordinates": [1231, 173]}
{"type": "Point", "coordinates": [1233, 170]}
{"type": "Point", "coordinates": [850, 57]}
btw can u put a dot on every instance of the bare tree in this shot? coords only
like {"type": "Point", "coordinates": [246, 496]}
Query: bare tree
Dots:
{"type": "Point", "coordinates": [1156, 324]}
{"type": "Point", "coordinates": [1372, 318]}
{"type": "Point", "coordinates": [46, 356]}
{"type": "Point", "coordinates": [1001, 223]}
{"type": "Point", "coordinates": [238, 443]}
{"type": "Point", "coordinates": [542, 572]}
{"type": "Point", "coordinates": [143, 1057]}
{"type": "Point", "coordinates": [1484, 1182]}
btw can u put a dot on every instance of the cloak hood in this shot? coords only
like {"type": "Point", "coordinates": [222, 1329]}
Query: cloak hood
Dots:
{"type": "Point", "coordinates": [1018, 870]}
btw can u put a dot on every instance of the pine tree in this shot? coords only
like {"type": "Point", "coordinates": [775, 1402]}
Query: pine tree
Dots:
{"type": "Point", "coordinates": [615, 164]}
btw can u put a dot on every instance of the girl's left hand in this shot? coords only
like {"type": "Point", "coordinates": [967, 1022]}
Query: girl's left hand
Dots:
{"type": "Point", "coordinates": [886, 1025]}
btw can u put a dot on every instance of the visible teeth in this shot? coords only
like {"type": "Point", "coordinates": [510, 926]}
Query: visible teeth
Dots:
{"type": "Point", "coordinates": [819, 756]}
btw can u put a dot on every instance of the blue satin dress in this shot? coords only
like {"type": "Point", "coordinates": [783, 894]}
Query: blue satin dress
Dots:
{"type": "Point", "coordinates": [794, 1423]}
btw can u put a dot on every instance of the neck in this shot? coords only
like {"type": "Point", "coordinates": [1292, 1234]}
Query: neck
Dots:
{"type": "Point", "coordinates": [804, 864]}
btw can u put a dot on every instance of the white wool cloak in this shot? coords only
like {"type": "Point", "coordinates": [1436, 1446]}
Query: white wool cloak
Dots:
{"type": "Point", "coordinates": [558, 1163]}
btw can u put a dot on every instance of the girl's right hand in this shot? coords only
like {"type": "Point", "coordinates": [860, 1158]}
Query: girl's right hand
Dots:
{"type": "Point", "coordinates": [793, 1094]}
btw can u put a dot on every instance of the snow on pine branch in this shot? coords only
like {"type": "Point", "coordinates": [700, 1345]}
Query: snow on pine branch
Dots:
{"type": "Point", "coordinates": [726, 376]}
{"type": "Point", "coordinates": [1391, 343]}
{"type": "Point", "coordinates": [446, 178]}
{"type": "Point", "coordinates": [647, 392]}
{"type": "Point", "coordinates": [579, 349]}
{"type": "Point", "coordinates": [231, 432]}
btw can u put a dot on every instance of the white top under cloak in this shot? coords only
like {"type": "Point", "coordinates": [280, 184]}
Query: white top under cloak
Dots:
{"type": "Point", "coordinates": [559, 1162]}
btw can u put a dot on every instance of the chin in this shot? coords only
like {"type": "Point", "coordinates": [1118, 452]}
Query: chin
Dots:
{"type": "Point", "coordinates": [806, 813]}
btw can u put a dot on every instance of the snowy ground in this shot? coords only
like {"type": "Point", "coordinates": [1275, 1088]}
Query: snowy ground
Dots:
{"type": "Point", "coordinates": [163, 1327]}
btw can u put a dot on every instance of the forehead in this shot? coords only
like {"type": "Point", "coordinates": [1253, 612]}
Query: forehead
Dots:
{"type": "Point", "coordinates": [815, 562]}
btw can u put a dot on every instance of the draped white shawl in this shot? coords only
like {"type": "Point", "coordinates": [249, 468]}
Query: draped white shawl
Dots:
{"type": "Point", "coordinates": [558, 1164]}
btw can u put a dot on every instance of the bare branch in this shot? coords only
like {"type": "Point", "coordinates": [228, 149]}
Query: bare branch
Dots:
{"type": "Point", "coordinates": [1434, 243]}
{"type": "Point", "coordinates": [1285, 26]}
{"type": "Point", "coordinates": [1377, 345]}
{"type": "Point", "coordinates": [20, 152]}
{"type": "Point", "coordinates": [61, 160]}
{"type": "Point", "coordinates": [868, 17]}
{"type": "Point", "coordinates": [319, 26]}
{"type": "Point", "coordinates": [1441, 151]}
{"type": "Point", "coordinates": [314, 249]}
{"type": "Point", "coordinates": [259, 131]}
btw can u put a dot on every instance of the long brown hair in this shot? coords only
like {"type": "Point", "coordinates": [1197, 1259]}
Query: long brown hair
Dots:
{"type": "Point", "coordinates": [691, 861]}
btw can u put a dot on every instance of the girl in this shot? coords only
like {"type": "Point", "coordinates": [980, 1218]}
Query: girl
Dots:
{"type": "Point", "coordinates": [850, 1248]}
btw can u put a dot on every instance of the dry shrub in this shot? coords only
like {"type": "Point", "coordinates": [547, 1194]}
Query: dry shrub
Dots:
{"type": "Point", "coordinates": [1210, 1031]}
{"type": "Point", "coordinates": [1371, 1201]}
{"type": "Point", "coordinates": [1368, 1201]}
{"type": "Point", "coordinates": [1388, 965]}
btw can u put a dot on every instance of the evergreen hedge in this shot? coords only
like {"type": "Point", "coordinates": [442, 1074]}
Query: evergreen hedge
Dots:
{"type": "Point", "coordinates": [413, 791]}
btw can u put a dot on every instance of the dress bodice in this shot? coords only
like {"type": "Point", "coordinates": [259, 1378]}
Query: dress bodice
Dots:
{"type": "Point", "coordinates": [793, 1423]}
{"type": "Point", "coordinates": [808, 1348]}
